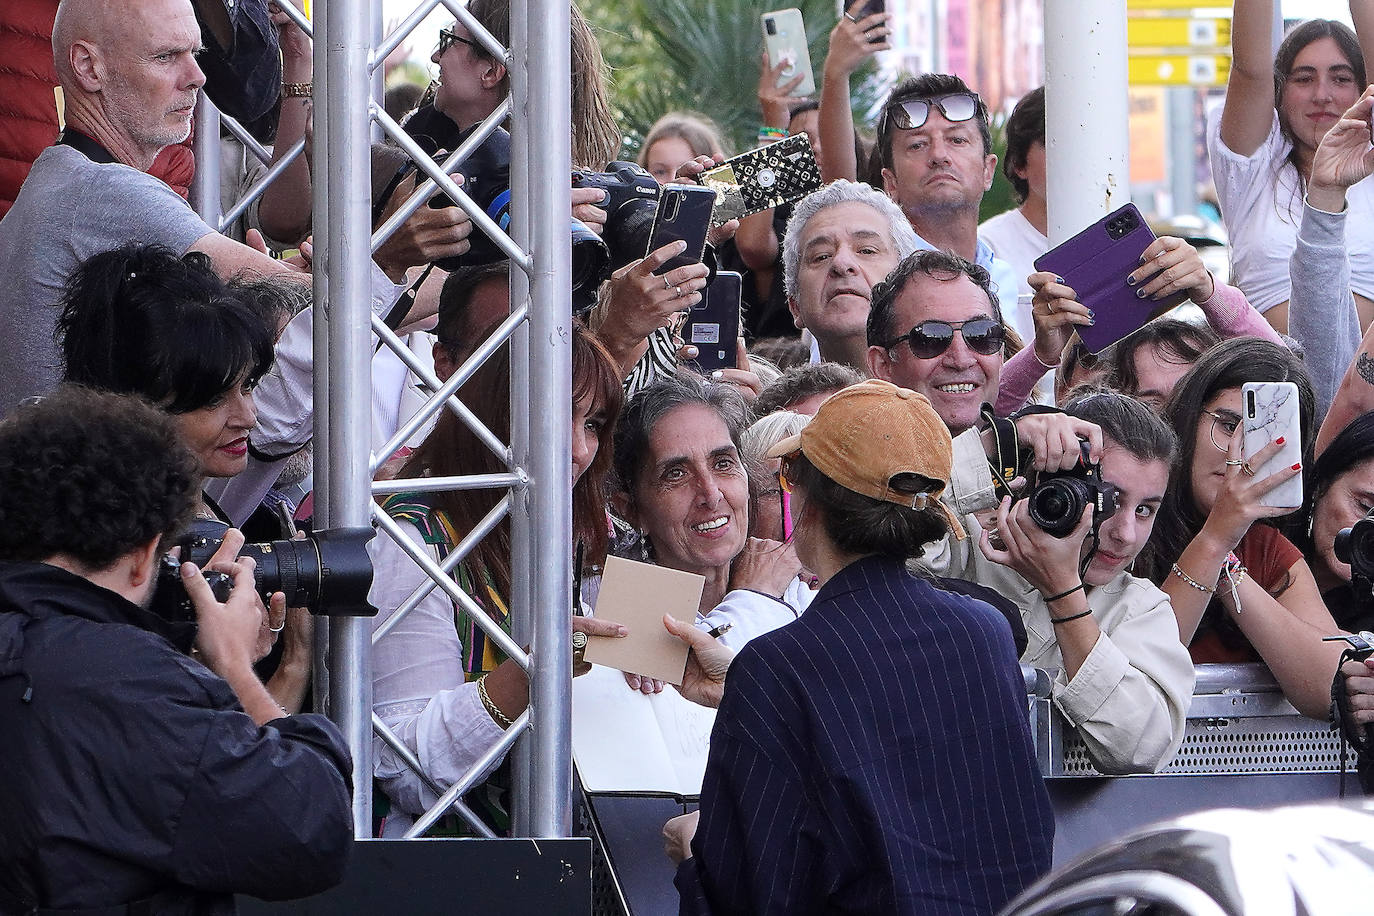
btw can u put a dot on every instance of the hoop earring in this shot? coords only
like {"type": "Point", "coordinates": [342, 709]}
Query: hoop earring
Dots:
{"type": "Point", "coordinates": [645, 549]}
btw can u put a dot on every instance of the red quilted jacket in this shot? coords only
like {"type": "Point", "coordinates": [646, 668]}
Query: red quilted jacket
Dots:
{"type": "Point", "coordinates": [28, 112]}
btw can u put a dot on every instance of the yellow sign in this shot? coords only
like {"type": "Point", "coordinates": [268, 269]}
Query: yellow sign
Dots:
{"type": "Point", "coordinates": [1177, 32]}
{"type": "Point", "coordinates": [1179, 69]}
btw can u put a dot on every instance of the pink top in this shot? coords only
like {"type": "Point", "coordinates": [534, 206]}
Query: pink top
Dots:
{"type": "Point", "coordinates": [1227, 311]}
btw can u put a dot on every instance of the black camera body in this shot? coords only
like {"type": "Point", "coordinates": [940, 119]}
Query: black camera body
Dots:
{"type": "Point", "coordinates": [328, 572]}
{"type": "Point", "coordinates": [631, 202]}
{"type": "Point", "coordinates": [1355, 545]}
{"type": "Point", "coordinates": [1059, 498]}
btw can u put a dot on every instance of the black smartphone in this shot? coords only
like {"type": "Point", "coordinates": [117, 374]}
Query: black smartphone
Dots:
{"type": "Point", "coordinates": [712, 325]}
{"type": "Point", "coordinates": [684, 214]}
{"type": "Point", "coordinates": [871, 7]}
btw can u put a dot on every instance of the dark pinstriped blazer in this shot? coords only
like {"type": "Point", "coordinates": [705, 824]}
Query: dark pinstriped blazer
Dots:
{"type": "Point", "coordinates": [872, 757]}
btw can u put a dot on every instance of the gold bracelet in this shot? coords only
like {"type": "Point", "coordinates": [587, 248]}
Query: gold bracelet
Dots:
{"type": "Point", "coordinates": [297, 90]}
{"type": "Point", "coordinates": [1193, 583]}
{"type": "Point", "coordinates": [492, 709]}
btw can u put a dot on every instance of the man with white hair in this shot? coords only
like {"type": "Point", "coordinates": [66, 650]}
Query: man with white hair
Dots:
{"type": "Point", "coordinates": [840, 241]}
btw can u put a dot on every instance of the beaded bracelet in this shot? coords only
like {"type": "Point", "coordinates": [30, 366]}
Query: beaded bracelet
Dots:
{"type": "Point", "coordinates": [1193, 583]}
{"type": "Point", "coordinates": [492, 709]}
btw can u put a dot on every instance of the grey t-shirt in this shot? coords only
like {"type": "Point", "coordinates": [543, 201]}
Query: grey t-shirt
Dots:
{"type": "Point", "coordinates": [69, 209]}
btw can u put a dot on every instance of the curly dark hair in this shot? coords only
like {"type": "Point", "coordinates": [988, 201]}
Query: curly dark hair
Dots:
{"type": "Point", "coordinates": [941, 265]}
{"type": "Point", "coordinates": [91, 476]}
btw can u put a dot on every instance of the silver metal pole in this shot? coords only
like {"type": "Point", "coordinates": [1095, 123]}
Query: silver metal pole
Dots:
{"type": "Point", "coordinates": [1182, 142]}
{"type": "Point", "coordinates": [546, 59]}
{"type": "Point", "coordinates": [522, 531]}
{"type": "Point", "coordinates": [377, 80]}
{"type": "Point", "coordinates": [1086, 105]}
{"type": "Point", "coordinates": [325, 685]}
{"type": "Point", "coordinates": [205, 183]}
{"type": "Point", "coordinates": [347, 39]}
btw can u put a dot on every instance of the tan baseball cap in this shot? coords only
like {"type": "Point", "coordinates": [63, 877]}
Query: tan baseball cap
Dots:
{"type": "Point", "coordinates": [865, 435]}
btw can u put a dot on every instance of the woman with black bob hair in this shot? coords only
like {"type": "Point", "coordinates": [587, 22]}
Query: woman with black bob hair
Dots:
{"type": "Point", "coordinates": [851, 726]}
{"type": "Point", "coordinates": [140, 320]}
{"type": "Point", "coordinates": [1241, 591]}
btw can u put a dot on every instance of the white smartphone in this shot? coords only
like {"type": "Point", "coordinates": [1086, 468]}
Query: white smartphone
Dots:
{"type": "Point", "coordinates": [784, 38]}
{"type": "Point", "coordinates": [1270, 412]}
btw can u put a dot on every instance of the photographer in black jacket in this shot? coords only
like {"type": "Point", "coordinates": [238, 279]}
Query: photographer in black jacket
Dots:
{"type": "Point", "coordinates": [140, 778]}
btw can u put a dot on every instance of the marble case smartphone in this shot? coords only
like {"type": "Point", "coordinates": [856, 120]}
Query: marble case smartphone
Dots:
{"type": "Point", "coordinates": [1269, 410]}
{"type": "Point", "coordinates": [784, 36]}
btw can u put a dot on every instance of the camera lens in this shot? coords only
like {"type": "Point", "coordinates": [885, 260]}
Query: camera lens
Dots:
{"type": "Point", "coordinates": [1056, 505]}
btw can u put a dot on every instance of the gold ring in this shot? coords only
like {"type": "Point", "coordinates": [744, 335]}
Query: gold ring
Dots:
{"type": "Point", "coordinates": [677, 291]}
{"type": "Point", "coordinates": [1248, 471]}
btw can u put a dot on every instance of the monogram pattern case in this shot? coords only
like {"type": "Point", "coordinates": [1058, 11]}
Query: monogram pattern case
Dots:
{"type": "Point", "coordinates": [763, 178]}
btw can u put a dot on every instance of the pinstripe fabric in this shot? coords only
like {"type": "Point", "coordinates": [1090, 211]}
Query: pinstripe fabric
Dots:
{"type": "Point", "coordinates": [873, 756]}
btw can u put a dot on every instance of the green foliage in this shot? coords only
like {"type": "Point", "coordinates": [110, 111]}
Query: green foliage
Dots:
{"type": "Point", "coordinates": [1001, 197]}
{"type": "Point", "coordinates": [689, 55]}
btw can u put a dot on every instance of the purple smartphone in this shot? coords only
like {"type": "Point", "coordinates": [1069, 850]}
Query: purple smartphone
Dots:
{"type": "Point", "coordinates": [1096, 262]}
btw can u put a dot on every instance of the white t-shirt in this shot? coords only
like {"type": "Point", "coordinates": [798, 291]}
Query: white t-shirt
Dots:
{"type": "Point", "coordinates": [1261, 207]}
{"type": "Point", "coordinates": [1014, 240]}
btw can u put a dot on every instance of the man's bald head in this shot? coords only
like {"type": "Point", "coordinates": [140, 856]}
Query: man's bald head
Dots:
{"type": "Point", "coordinates": [128, 70]}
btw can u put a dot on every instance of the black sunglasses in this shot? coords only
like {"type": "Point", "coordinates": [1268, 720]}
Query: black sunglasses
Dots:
{"type": "Point", "coordinates": [913, 113]}
{"type": "Point", "coordinates": [931, 338]}
{"type": "Point", "coordinates": [447, 37]}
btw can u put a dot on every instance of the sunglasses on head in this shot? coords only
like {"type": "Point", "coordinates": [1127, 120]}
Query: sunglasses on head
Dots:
{"type": "Point", "coordinates": [447, 38]}
{"type": "Point", "coordinates": [912, 113]}
{"type": "Point", "coordinates": [931, 338]}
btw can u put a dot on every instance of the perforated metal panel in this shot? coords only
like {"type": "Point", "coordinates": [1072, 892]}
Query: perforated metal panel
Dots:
{"type": "Point", "coordinates": [1288, 744]}
{"type": "Point", "coordinates": [1260, 732]}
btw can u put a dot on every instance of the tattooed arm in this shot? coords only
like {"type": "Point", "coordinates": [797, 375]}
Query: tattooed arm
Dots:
{"type": "Point", "coordinates": [1354, 397]}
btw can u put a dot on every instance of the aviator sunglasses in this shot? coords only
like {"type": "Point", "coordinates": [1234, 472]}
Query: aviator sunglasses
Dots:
{"type": "Point", "coordinates": [912, 113]}
{"type": "Point", "coordinates": [931, 338]}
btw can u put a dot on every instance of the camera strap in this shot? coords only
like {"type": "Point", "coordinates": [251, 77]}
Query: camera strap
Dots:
{"type": "Point", "coordinates": [1006, 461]}
{"type": "Point", "coordinates": [85, 146]}
{"type": "Point", "coordinates": [1356, 735]}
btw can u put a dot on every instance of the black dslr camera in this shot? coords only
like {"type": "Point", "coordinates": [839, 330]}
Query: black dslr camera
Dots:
{"type": "Point", "coordinates": [1059, 498]}
{"type": "Point", "coordinates": [328, 572]}
{"type": "Point", "coordinates": [1355, 545]}
{"type": "Point", "coordinates": [630, 205]}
